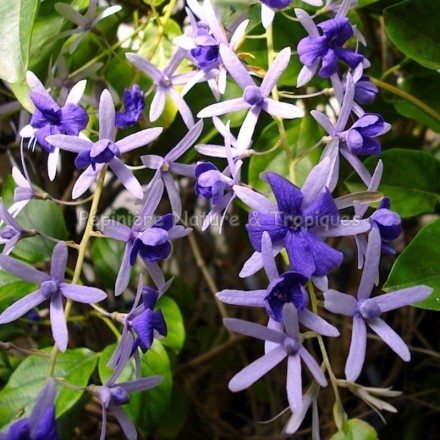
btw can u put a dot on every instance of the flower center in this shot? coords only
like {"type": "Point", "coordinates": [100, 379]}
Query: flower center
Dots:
{"type": "Point", "coordinates": [119, 396]}
{"type": "Point", "coordinates": [294, 223]}
{"type": "Point", "coordinates": [252, 95]}
{"type": "Point", "coordinates": [369, 309]}
{"type": "Point", "coordinates": [8, 232]}
{"type": "Point", "coordinates": [291, 345]}
{"type": "Point", "coordinates": [48, 288]}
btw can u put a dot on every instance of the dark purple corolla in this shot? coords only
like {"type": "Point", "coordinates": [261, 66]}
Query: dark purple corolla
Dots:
{"type": "Point", "coordinates": [51, 287]}
{"type": "Point", "coordinates": [134, 105]}
{"type": "Point", "coordinates": [211, 183]}
{"type": "Point", "coordinates": [388, 223]}
{"type": "Point", "coordinates": [366, 310]}
{"type": "Point", "coordinates": [360, 137]}
{"type": "Point", "coordinates": [364, 91]}
{"type": "Point", "coordinates": [51, 119]}
{"type": "Point", "coordinates": [40, 425]}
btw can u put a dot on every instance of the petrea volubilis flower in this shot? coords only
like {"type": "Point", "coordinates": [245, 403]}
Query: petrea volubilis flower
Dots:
{"type": "Point", "coordinates": [40, 425]}
{"type": "Point", "coordinates": [147, 237]}
{"type": "Point", "coordinates": [134, 105]}
{"type": "Point", "coordinates": [255, 98]}
{"type": "Point", "coordinates": [51, 287]}
{"type": "Point", "coordinates": [326, 49]}
{"type": "Point", "coordinates": [297, 222]}
{"type": "Point", "coordinates": [51, 119]}
{"type": "Point", "coordinates": [366, 310]}
{"type": "Point", "coordinates": [165, 83]}
{"type": "Point", "coordinates": [167, 165]}
{"type": "Point", "coordinates": [284, 289]}
{"type": "Point", "coordinates": [11, 233]}
{"type": "Point", "coordinates": [94, 155]}
{"type": "Point", "coordinates": [113, 395]}
{"type": "Point", "coordinates": [286, 344]}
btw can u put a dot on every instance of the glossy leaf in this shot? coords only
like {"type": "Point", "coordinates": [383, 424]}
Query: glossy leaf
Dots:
{"type": "Point", "coordinates": [410, 180]}
{"type": "Point", "coordinates": [419, 264]}
{"type": "Point", "coordinates": [175, 337]}
{"type": "Point", "coordinates": [412, 26]}
{"type": "Point", "coordinates": [75, 366]}
{"type": "Point", "coordinates": [16, 21]}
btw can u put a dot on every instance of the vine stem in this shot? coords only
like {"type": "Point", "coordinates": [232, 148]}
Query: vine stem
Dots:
{"type": "Point", "coordinates": [275, 96]}
{"type": "Point", "coordinates": [326, 360]}
{"type": "Point", "coordinates": [407, 96]}
{"type": "Point", "coordinates": [80, 260]}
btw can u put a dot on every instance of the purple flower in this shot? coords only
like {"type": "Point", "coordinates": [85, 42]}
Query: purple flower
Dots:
{"type": "Point", "coordinates": [326, 49]}
{"type": "Point", "coordinates": [298, 221]}
{"type": "Point", "coordinates": [113, 395]}
{"type": "Point", "coordinates": [11, 233]}
{"type": "Point", "coordinates": [94, 155]}
{"type": "Point", "coordinates": [51, 119]}
{"type": "Point", "coordinates": [211, 183]}
{"type": "Point", "coordinates": [365, 91]}
{"type": "Point", "coordinates": [40, 425]}
{"type": "Point", "coordinates": [164, 166]}
{"type": "Point", "coordinates": [147, 238]}
{"type": "Point", "coordinates": [285, 345]}
{"type": "Point", "coordinates": [254, 98]}
{"type": "Point", "coordinates": [388, 223]}
{"type": "Point", "coordinates": [359, 137]}
{"type": "Point", "coordinates": [51, 287]}
{"type": "Point", "coordinates": [285, 289]}
{"type": "Point", "coordinates": [134, 105]}
{"type": "Point", "coordinates": [141, 321]}
{"type": "Point", "coordinates": [366, 310]}
{"type": "Point", "coordinates": [165, 82]}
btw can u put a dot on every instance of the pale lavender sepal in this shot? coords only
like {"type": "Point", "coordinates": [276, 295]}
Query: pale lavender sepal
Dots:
{"type": "Point", "coordinates": [158, 104]}
{"type": "Point", "coordinates": [106, 116]}
{"type": "Point", "coordinates": [337, 302]}
{"type": "Point", "coordinates": [356, 355]}
{"type": "Point", "coordinates": [173, 195]}
{"type": "Point", "coordinates": [22, 270]}
{"type": "Point", "coordinates": [282, 110]}
{"type": "Point", "coordinates": [317, 324]}
{"type": "Point", "coordinates": [52, 163]}
{"type": "Point", "coordinates": [146, 66]}
{"type": "Point", "coordinates": [21, 307]}
{"type": "Point", "coordinates": [307, 22]}
{"type": "Point", "coordinates": [324, 122]}
{"type": "Point", "coordinates": [371, 267]}
{"type": "Point", "coordinates": [268, 259]}
{"type": "Point", "coordinates": [235, 67]}
{"type": "Point", "coordinates": [253, 298]}
{"type": "Point", "coordinates": [307, 73]}
{"type": "Point", "coordinates": [142, 384]}
{"type": "Point", "coordinates": [82, 294]}
{"type": "Point", "coordinates": [124, 421]}
{"type": "Point", "coordinates": [277, 67]}
{"type": "Point", "coordinates": [315, 182]}
{"type": "Point", "coordinates": [313, 367]}
{"type": "Point", "coordinates": [66, 142]}
{"type": "Point", "coordinates": [123, 277]}
{"type": "Point", "coordinates": [290, 320]}
{"type": "Point", "coordinates": [183, 108]}
{"type": "Point", "coordinates": [139, 139]}
{"type": "Point", "coordinates": [247, 129]}
{"type": "Point", "coordinates": [390, 337]}
{"type": "Point", "coordinates": [347, 228]}
{"type": "Point", "coordinates": [155, 272]}
{"type": "Point", "coordinates": [186, 143]}
{"type": "Point", "coordinates": [183, 169]}
{"type": "Point", "coordinates": [257, 331]}
{"type": "Point", "coordinates": [76, 92]}
{"type": "Point", "coordinates": [58, 321]}
{"type": "Point", "coordinates": [257, 369]}
{"type": "Point", "coordinates": [294, 382]}
{"type": "Point", "coordinates": [85, 181]}
{"type": "Point", "coordinates": [114, 229]}
{"type": "Point", "coordinates": [58, 261]}
{"type": "Point", "coordinates": [152, 161]}
{"type": "Point", "coordinates": [403, 297]}
{"type": "Point", "coordinates": [151, 203]}
{"type": "Point", "coordinates": [267, 15]}
{"type": "Point", "coordinates": [126, 177]}
{"type": "Point", "coordinates": [255, 200]}
{"type": "Point", "coordinates": [347, 105]}
{"type": "Point", "coordinates": [221, 108]}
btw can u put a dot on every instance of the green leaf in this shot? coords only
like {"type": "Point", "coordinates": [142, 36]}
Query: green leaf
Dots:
{"type": "Point", "coordinates": [425, 88]}
{"type": "Point", "coordinates": [147, 408]}
{"type": "Point", "coordinates": [301, 135]}
{"type": "Point", "coordinates": [14, 291]}
{"type": "Point", "coordinates": [410, 180]}
{"type": "Point", "coordinates": [413, 27]}
{"type": "Point", "coordinates": [45, 217]}
{"type": "Point", "coordinates": [418, 264]}
{"type": "Point", "coordinates": [19, 395]}
{"type": "Point", "coordinates": [16, 21]}
{"type": "Point", "coordinates": [356, 429]}
{"type": "Point", "coordinates": [175, 337]}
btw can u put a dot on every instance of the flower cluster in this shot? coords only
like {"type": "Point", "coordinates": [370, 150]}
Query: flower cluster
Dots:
{"type": "Point", "coordinates": [293, 220]}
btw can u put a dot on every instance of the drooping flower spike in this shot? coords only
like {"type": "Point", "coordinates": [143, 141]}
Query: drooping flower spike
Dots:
{"type": "Point", "coordinates": [286, 344]}
{"type": "Point", "coordinates": [92, 156]}
{"type": "Point", "coordinates": [165, 83]}
{"type": "Point", "coordinates": [255, 98]}
{"type": "Point", "coordinates": [51, 119]}
{"type": "Point", "coordinates": [366, 310]}
{"type": "Point", "coordinates": [167, 165]}
{"type": "Point", "coordinates": [51, 287]}
{"type": "Point", "coordinates": [40, 424]}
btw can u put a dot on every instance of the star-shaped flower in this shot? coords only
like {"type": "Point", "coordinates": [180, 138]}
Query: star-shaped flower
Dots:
{"type": "Point", "coordinates": [94, 155]}
{"type": "Point", "coordinates": [255, 98]}
{"type": "Point", "coordinates": [51, 287]}
{"type": "Point", "coordinates": [366, 310]}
